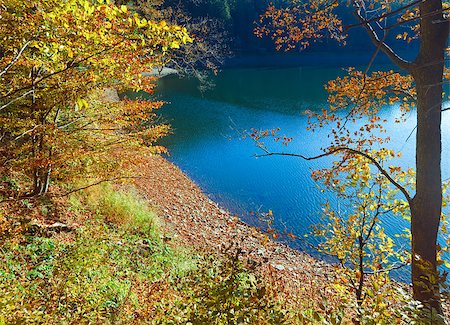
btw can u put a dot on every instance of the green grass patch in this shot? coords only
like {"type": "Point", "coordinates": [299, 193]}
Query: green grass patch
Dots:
{"type": "Point", "coordinates": [128, 211]}
{"type": "Point", "coordinates": [100, 275]}
{"type": "Point", "coordinates": [116, 269]}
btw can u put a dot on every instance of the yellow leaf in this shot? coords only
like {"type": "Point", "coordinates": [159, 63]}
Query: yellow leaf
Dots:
{"type": "Point", "coordinates": [175, 45]}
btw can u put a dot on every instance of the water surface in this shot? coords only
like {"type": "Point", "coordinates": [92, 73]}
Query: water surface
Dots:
{"type": "Point", "coordinates": [207, 142]}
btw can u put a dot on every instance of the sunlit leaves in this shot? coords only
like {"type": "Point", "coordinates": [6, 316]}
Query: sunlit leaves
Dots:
{"type": "Point", "coordinates": [358, 132]}
{"type": "Point", "coordinates": [301, 23]}
{"type": "Point", "coordinates": [56, 54]}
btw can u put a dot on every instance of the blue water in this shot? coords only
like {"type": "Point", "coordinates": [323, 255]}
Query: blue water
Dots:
{"type": "Point", "coordinates": [207, 142]}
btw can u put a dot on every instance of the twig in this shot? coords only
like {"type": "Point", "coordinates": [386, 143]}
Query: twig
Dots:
{"type": "Point", "coordinates": [98, 183]}
{"type": "Point", "coordinates": [16, 99]}
{"type": "Point", "coordinates": [402, 63]}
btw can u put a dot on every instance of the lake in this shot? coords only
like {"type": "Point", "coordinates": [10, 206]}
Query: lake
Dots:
{"type": "Point", "coordinates": [207, 142]}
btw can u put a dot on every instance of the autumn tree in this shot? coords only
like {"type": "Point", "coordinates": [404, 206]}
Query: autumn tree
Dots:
{"type": "Point", "coordinates": [356, 99]}
{"type": "Point", "coordinates": [56, 58]}
{"type": "Point", "coordinates": [209, 47]}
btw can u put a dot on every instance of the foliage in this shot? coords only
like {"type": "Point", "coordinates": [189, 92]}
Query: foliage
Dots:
{"type": "Point", "coordinates": [96, 276]}
{"type": "Point", "coordinates": [119, 268]}
{"type": "Point", "coordinates": [300, 23]}
{"type": "Point", "coordinates": [209, 47]}
{"type": "Point", "coordinates": [366, 253]}
{"type": "Point", "coordinates": [358, 130]}
{"type": "Point", "coordinates": [55, 55]}
{"type": "Point", "coordinates": [224, 290]}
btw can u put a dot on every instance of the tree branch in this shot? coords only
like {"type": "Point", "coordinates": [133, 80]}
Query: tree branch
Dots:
{"type": "Point", "coordinates": [16, 99]}
{"type": "Point", "coordinates": [340, 149]}
{"type": "Point", "coordinates": [385, 15]}
{"type": "Point", "coordinates": [69, 66]}
{"type": "Point", "coordinates": [98, 183]}
{"type": "Point", "coordinates": [70, 123]}
{"type": "Point", "coordinates": [402, 63]}
{"type": "Point", "coordinates": [15, 59]}
{"type": "Point", "coordinates": [389, 269]}
{"type": "Point", "coordinates": [26, 132]}
{"type": "Point", "coordinates": [73, 191]}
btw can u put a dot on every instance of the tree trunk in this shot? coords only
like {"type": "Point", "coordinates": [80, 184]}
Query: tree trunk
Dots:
{"type": "Point", "coordinates": [41, 180]}
{"type": "Point", "coordinates": [426, 206]}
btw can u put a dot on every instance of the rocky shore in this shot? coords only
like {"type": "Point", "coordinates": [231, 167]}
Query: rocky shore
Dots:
{"type": "Point", "coordinates": [199, 222]}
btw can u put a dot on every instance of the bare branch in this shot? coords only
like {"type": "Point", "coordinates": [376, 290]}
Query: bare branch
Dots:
{"type": "Point", "coordinates": [360, 97]}
{"type": "Point", "coordinates": [16, 99]}
{"type": "Point", "coordinates": [26, 132]}
{"type": "Point", "coordinates": [71, 122]}
{"type": "Point", "coordinates": [15, 59]}
{"type": "Point", "coordinates": [98, 183]}
{"type": "Point", "coordinates": [402, 63]}
{"type": "Point", "coordinates": [389, 269]}
{"type": "Point", "coordinates": [350, 150]}
{"type": "Point", "coordinates": [385, 15]}
{"type": "Point", "coordinates": [29, 196]}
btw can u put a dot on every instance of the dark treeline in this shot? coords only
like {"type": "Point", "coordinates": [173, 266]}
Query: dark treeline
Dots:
{"type": "Point", "coordinates": [239, 18]}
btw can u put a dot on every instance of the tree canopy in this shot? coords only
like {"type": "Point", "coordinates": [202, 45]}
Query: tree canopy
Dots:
{"type": "Point", "coordinates": [55, 55]}
{"type": "Point", "coordinates": [358, 132]}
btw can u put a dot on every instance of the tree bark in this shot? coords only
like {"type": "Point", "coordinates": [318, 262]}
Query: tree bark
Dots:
{"type": "Point", "coordinates": [426, 206]}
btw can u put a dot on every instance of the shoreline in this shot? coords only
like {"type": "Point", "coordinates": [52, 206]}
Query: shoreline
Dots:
{"type": "Point", "coordinates": [201, 223]}
{"type": "Point", "coordinates": [198, 222]}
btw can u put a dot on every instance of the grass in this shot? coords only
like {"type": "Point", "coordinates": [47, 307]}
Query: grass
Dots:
{"type": "Point", "coordinates": [116, 269]}
{"type": "Point", "coordinates": [127, 211]}
{"type": "Point", "coordinates": [102, 274]}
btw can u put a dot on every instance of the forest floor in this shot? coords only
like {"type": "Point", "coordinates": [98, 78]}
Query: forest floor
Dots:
{"type": "Point", "coordinates": [199, 222]}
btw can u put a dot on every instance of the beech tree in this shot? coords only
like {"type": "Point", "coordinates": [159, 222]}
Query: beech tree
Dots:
{"type": "Point", "coordinates": [417, 87]}
{"type": "Point", "coordinates": [54, 56]}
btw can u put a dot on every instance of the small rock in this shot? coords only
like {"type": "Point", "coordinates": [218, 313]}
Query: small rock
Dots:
{"type": "Point", "coordinates": [278, 267]}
